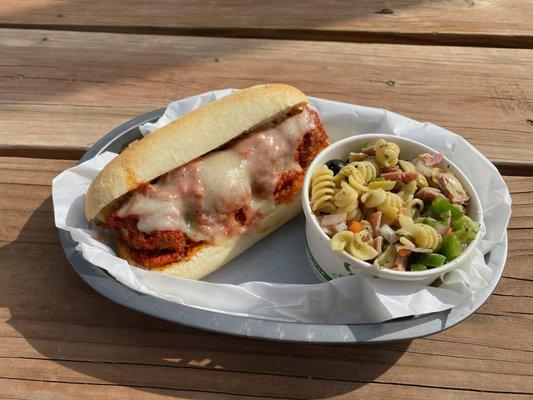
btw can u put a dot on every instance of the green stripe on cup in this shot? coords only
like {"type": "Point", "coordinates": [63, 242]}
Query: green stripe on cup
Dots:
{"type": "Point", "coordinates": [347, 268]}
{"type": "Point", "coordinates": [315, 264]}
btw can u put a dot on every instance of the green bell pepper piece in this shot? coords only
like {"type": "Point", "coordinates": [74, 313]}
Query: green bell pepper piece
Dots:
{"type": "Point", "coordinates": [366, 144]}
{"type": "Point", "coordinates": [451, 247]}
{"type": "Point", "coordinates": [465, 222]}
{"type": "Point", "coordinates": [460, 224]}
{"type": "Point", "coordinates": [432, 260]}
{"type": "Point", "coordinates": [465, 235]}
{"type": "Point", "coordinates": [465, 229]}
{"type": "Point", "coordinates": [439, 206]}
{"type": "Point", "coordinates": [417, 267]}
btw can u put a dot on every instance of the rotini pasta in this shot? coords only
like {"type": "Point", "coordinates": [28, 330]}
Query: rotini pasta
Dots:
{"type": "Point", "coordinates": [367, 169]}
{"type": "Point", "coordinates": [382, 214]}
{"type": "Point", "coordinates": [323, 190]}
{"type": "Point", "coordinates": [408, 192]}
{"type": "Point", "coordinates": [387, 153]}
{"type": "Point", "coordinates": [411, 204]}
{"type": "Point", "coordinates": [360, 245]}
{"type": "Point", "coordinates": [407, 166]}
{"type": "Point", "coordinates": [422, 235]}
{"type": "Point", "coordinates": [365, 226]}
{"type": "Point", "coordinates": [346, 201]}
{"type": "Point", "coordinates": [414, 207]}
{"type": "Point", "coordinates": [385, 185]}
{"type": "Point", "coordinates": [341, 239]}
{"type": "Point", "coordinates": [345, 196]}
{"type": "Point", "coordinates": [386, 202]}
{"type": "Point", "coordinates": [386, 259]}
{"type": "Point", "coordinates": [353, 176]}
{"type": "Point", "coordinates": [353, 214]}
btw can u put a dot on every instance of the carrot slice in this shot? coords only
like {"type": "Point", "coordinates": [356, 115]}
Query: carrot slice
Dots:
{"type": "Point", "coordinates": [404, 252]}
{"type": "Point", "coordinates": [355, 227]}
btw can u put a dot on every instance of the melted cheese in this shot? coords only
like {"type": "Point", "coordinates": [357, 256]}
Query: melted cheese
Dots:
{"type": "Point", "coordinates": [202, 197]}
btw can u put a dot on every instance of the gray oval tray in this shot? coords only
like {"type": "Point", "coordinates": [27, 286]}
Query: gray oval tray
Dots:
{"type": "Point", "coordinates": [406, 328]}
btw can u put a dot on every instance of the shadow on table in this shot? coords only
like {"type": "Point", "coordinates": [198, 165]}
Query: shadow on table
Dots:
{"type": "Point", "coordinates": [64, 320]}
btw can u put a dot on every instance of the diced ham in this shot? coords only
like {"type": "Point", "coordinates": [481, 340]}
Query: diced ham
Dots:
{"type": "Point", "coordinates": [409, 176]}
{"type": "Point", "coordinates": [400, 262]}
{"type": "Point", "coordinates": [422, 167]}
{"type": "Point", "coordinates": [375, 222]}
{"type": "Point", "coordinates": [428, 194]}
{"type": "Point", "coordinates": [431, 160]}
{"type": "Point", "coordinates": [390, 169]}
{"type": "Point", "coordinates": [446, 232]}
{"type": "Point", "coordinates": [452, 188]}
{"type": "Point", "coordinates": [369, 150]}
{"type": "Point", "coordinates": [442, 229]}
{"type": "Point", "coordinates": [378, 243]}
{"type": "Point", "coordinates": [392, 176]}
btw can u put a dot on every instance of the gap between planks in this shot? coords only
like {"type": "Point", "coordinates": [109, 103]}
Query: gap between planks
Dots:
{"type": "Point", "coordinates": [411, 38]}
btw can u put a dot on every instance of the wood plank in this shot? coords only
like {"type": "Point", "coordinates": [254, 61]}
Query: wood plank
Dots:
{"type": "Point", "coordinates": [53, 390]}
{"type": "Point", "coordinates": [56, 101]}
{"type": "Point", "coordinates": [220, 381]}
{"type": "Point", "coordinates": [488, 22]}
{"type": "Point", "coordinates": [77, 337]}
{"type": "Point", "coordinates": [38, 390]}
{"type": "Point", "coordinates": [514, 287]}
{"type": "Point", "coordinates": [508, 306]}
{"type": "Point", "coordinates": [522, 207]}
{"type": "Point", "coordinates": [296, 365]}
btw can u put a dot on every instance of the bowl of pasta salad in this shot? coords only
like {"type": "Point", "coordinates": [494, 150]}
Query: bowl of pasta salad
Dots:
{"type": "Point", "coordinates": [388, 207]}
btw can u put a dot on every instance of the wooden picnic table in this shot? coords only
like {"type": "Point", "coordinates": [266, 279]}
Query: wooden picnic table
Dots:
{"type": "Point", "coordinates": [72, 70]}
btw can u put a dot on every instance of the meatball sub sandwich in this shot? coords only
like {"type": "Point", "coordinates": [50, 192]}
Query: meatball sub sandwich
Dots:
{"type": "Point", "coordinates": [199, 191]}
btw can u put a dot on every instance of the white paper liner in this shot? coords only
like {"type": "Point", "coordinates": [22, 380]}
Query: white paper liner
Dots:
{"type": "Point", "coordinates": [353, 299]}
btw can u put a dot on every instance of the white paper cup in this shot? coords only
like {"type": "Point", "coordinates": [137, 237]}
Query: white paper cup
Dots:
{"type": "Point", "coordinates": [328, 264]}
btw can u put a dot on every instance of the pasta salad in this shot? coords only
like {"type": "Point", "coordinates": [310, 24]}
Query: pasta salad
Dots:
{"type": "Point", "coordinates": [397, 214]}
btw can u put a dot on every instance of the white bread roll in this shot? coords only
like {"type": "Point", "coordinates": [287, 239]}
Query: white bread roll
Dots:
{"type": "Point", "coordinates": [185, 139]}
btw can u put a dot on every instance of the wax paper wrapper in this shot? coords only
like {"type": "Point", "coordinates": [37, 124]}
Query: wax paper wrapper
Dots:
{"type": "Point", "coordinates": [272, 279]}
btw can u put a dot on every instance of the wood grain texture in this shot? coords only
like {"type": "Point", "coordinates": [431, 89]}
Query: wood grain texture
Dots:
{"type": "Point", "coordinates": [58, 338]}
{"type": "Point", "coordinates": [56, 100]}
{"type": "Point", "coordinates": [480, 22]}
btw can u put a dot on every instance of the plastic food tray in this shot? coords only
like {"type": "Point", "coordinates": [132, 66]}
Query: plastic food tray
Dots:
{"type": "Point", "coordinates": [400, 329]}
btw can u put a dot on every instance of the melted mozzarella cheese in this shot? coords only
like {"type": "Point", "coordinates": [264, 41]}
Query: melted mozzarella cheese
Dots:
{"type": "Point", "coordinates": [202, 197]}
{"type": "Point", "coordinates": [226, 182]}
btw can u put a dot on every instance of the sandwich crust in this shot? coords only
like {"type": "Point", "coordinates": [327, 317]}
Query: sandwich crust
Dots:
{"type": "Point", "coordinates": [187, 138]}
